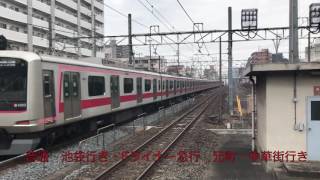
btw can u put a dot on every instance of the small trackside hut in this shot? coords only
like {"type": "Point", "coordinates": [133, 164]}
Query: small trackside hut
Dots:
{"type": "Point", "coordinates": [287, 111]}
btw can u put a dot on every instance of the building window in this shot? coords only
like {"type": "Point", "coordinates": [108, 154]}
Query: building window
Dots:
{"type": "Point", "coordinates": [147, 85]}
{"type": "Point", "coordinates": [2, 25]}
{"type": "Point", "coordinates": [96, 86]}
{"type": "Point", "coordinates": [128, 85]}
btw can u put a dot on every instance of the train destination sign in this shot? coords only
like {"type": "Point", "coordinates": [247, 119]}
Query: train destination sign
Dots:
{"type": "Point", "coordinates": [8, 63]}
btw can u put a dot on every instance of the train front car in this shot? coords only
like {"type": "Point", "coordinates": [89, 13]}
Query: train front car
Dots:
{"type": "Point", "coordinates": [20, 102]}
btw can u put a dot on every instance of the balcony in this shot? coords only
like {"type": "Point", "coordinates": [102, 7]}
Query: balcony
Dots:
{"type": "Point", "coordinates": [15, 36]}
{"type": "Point", "coordinates": [42, 42]}
{"type": "Point", "coordinates": [85, 11]}
{"type": "Point", "coordinates": [65, 32]}
{"type": "Point", "coordinates": [38, 22]}
{"type": "Point", "coordinates": [69, 3]}
{"type": "Point", "coordinates": [65, 16]}
{"type": "Point", "coordinates": [41, 6]}
{"type": "Point", "coordinates": [24, 2]}
{"type": "Point", "coordinates": [66, 47]}
{"type": "Point", "coordinates": [100, 18]}
{"type": "Point", "coordinates": [100, 31]}
{"type": "Point", "coordinates": [99, 5]}
{"type": "Point", "coordinates": [13, 15]}
{"type": "Point", "coordinates": [86, 52]}
{"type": "Point", "coordinates": [85, 24]}
{"type": "Point", "coordinates": [87, 40]}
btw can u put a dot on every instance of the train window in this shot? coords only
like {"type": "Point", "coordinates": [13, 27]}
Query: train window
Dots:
{"type": "Point", "coordinates": [13, 84]}
{"type": "Point", "coordinates": [163, 85]}
{"type": "Point", "coordinates": [128, 85]}
{"type": "Point", "coordinates": [75, 83]}
{"type": "Point", "coordinates": [147, 85]}
{"type": "Point", "coordinates": [159, 85]}
{"type": "Point", "coordinates": [155, 85]}
{"type": "Point", "coordinates": [46, 85]}
{"type": "Point", "coordinates": [66, 89]}
{"type": "Point", "coordinates": [178, 84]}
{"type": "Point", "coordinates": [171, 84]}
{"type": "Point", "coordinates": [96, 85]}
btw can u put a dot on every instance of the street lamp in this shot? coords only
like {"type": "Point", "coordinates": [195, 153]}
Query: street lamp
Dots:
{"type": "Point", "coordinates": [314, 17]}
{"type": "Point", "coordinates": [249, 19]}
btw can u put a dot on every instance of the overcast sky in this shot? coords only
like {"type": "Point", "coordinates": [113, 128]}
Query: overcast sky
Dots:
{"type": "Point", "coordinates": [213, 13]}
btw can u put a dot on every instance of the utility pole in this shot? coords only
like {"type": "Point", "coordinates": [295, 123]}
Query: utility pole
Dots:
{"type": "Point", "coordinates": [293, 42]}
{"type": "Point", "coordinates": [94, 50]}
{"type": "Point", "coordinates": [220, 78]}
{"type": "Point", "coordinates": [94, 29]}
{"type": "Point", "coordinates": [78, 25]}
{"type": "Point", "coordinates": [178, 55]}
{"type": "Point", "coordinates": [230, 75]}
{"type": "Point", "coordinates": [50, 36]}
{"type": "Point", "coordinates": [150, 53]}
{"type": "Point", "coordinates": [220, 60]}
{"type": "Point", "coordinates": [130, 38]}
{"type": "Point", "coordinates": [30, 25]}
{"type": "Point", "coordinates": [309, 46]}
{"type": "Point", "coordinates": [159, 64]}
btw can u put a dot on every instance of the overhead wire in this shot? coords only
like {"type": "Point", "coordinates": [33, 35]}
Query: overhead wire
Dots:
{"type": "Point", "coordinates": [190, 18]}
{"type": "Point", "coordinates": [125, 15]}
{"type": "Point", "coordinates": [167, 24]}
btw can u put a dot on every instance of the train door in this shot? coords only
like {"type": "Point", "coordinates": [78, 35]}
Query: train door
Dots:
{"type": "Point", "coordinates": [72, 98]}
{"type": "Point", "coordinates": [167, 88]}
{"type": "Point", "coordinates": [139, 90]}
{"type": "Point", "coordinates": [154, 89]}
{"type": "Point", "coordinates": [115, 92]}
{"type": "Point", "coordinates": [313, 128]}
{"type": "Point", "coordinates": [48, 94]}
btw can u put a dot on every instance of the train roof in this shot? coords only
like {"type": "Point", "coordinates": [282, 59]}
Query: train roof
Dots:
{"type": "Point", "coordinates": [30, 56]}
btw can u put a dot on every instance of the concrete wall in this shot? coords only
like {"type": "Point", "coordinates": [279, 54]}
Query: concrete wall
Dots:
{"type": "Point", "coordinates": [261, 113]}
{"type": "Point", "coordinates": [276, 124]}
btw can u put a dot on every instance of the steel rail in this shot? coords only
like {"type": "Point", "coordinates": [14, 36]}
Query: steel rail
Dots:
{"type": "Point", "coordinates": [145, 172]}
{"type": "Point", "coordinates": [16, 160]}
{"type": "Point", "coordinates": [155, 137]}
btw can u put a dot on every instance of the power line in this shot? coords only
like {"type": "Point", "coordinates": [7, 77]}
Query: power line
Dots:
{"type": "Point", "coordinates": [185, 11]}
{"type": "Point", "coordinates": [153, 8]}
{"type": "Point", "coordinates": [124, 15]}
{"type": "Point", "coordinates": [162, 16]}
{"type": "Point", "coordinates": [150, 10]}
{"type": "Point", "coordinates": [145, 6]}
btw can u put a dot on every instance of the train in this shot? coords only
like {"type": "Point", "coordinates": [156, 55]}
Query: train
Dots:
{"type": "Point", "coordinates": [44, 96]}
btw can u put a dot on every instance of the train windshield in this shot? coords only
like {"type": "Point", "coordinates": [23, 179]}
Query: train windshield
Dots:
{"type": "Point", "coordinates": [13, 84]}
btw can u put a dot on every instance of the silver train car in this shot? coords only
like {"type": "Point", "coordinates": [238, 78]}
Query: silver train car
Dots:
{"type": "Point", "coordinates": [41, 95]}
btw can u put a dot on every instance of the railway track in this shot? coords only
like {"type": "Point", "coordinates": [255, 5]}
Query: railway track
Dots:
{"type": "Point", "coordinates": [164, 140]}
{"type": "Point", "coordinates": [22, 159]}
{"type": "Point", "coordinates": [39, 170]}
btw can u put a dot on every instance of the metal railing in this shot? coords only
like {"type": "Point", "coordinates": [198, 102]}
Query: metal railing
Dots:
{"type": "Point", "coordinates": [109, 134]}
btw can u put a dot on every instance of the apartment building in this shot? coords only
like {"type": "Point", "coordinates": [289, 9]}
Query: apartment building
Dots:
{"type": "Point", "coordinates": [26, 25]}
